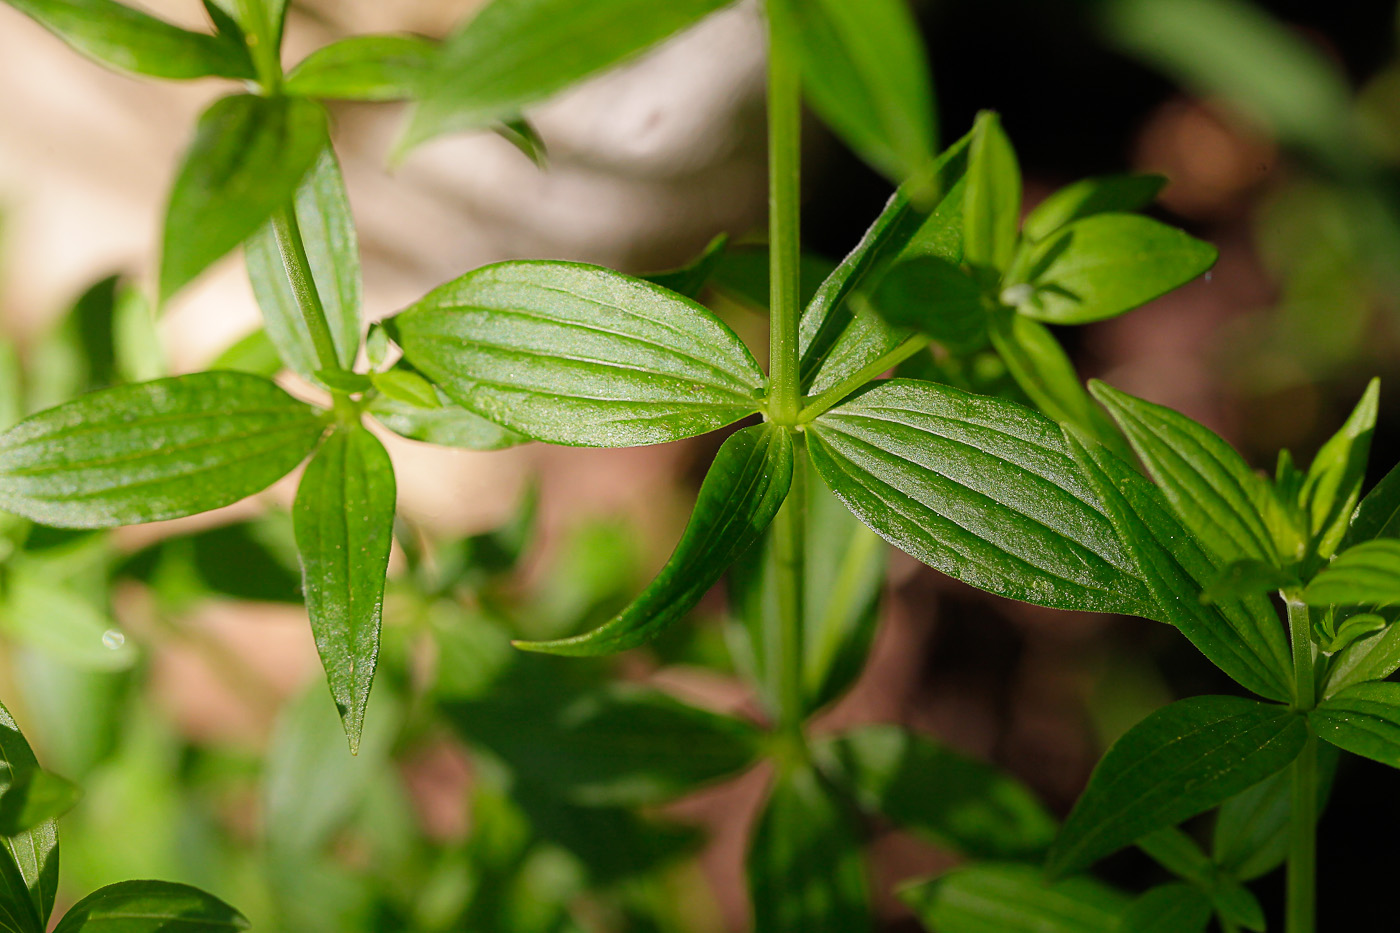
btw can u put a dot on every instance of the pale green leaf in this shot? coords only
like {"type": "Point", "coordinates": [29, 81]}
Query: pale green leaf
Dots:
{"type": "Point", "coordinates": [1373, 658]}
{"type": "Point", "coordinates": [366, 68]}
{"type": "Point", "coordinates": [401, 385]}
{"type": "Point", "coordinates": [992, 204]}
{"type": "Point", "coordinates": [1333, 485]}
{"type": "Point", "coordinates": [1365, 575]}
{"type": "Point", "coordinates": [151, 907]}
{"type": "Point", "coordinates": [48, 615]}
{"type": "Point", "coordinates": [1104, 194]}
{"type": "Point", "coordinates": [445, 425]}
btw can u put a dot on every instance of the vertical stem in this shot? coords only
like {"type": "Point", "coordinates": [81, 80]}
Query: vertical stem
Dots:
{"type": "Point", "coordinates": [784, 216]}
{"type": "Point", "coordinates": [298, 269]}
{"type": "Point", "coordinates": [789, 554]}
{"type": "Point", "coordinates": [1302, 824]}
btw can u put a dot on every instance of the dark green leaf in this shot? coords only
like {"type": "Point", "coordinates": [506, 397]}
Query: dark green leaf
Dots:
{"type": "Point", "coordinates": [690, 279]}
{"type": "Point", "coordinates": [248, 156]}
{"type": "Point", "coordinates": [1241, 637]}
{"type": "Point", "coordinates": [743, 490]}
{"type": "Point", "coordinates": [741, 274]}
{"type": "Point", "coordinates": [121, 37]}
{"type": "Point", "coordinates": [1213, 492]}
{"type": "Point", "coordinates": [1363, 719]}
{"type": "Point", "coordinates": [1170, 908]}
{"type": "Point", "coordinates": [1004, 898]}
{"type": "Point", "coordinates": [1105, 194]}
{"type": "Point", "coordinates": [1365, 575]}
{"type": "Point", "coordinates": [992, 205]}
{"type": "Point", "coordinates": [150, 907]}
{"type": "Point", "coordinates": [16, 909]}
{"type": "Point", "coordinates": [935, 297]}
{"type": "Point", "coordinates": [1104, 265]}
{"type": "Point", "coordinates": [521, 134]}
{"type": "Point", "coordinates": [950, 799]}
{"type": "Point", "coordinates": [804, 864]}
{"type": "Point", "coordinates": [445, 425]}
{"type": "Point", "coordinates": [344, 515]}
{"type": "Point", "coordinates": [248, 560]}
{"type": "Point", "coordinates": [575, 354]}
{"type": "Point", "coordinates": [1372, 658]}
{"type": "Point", "coordinates": [366, 68]}
{"type": "Point", "coordinates": [1333, 486]}
{"type": "Point", "coordinates": [154, 450]}
{"type": "Point", "coordinates": [401, 385]}
{"type": "Point", "coordinates": [865, 74]}
{"type": "Point", "coordinates": [1378, 515]}
{"type": "Point", "coordinates": [1353, 629]}
{"type": "Point", "coordinates": [1179, 761]}
{"type": "Point", "coordinates": [30, 860]}
{"type": "Point", "coordinates": [1177, 852]}
{"type": "Point", "coordinates": [1243, 578]}
{"type": "Point", "coordinates": [35, 799]}
{"type": "Point", "coordinates": [1251, 828]}
{"type": "Point", "coordinates": [332, 250]}
{"type": "Point", "coordinates": [979, 488]}
{"type": "Point", "coordinates": [518, 52]}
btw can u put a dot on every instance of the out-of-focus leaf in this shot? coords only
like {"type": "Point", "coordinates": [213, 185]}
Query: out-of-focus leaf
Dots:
{"type": "Point", "coordinates": [35, 799]}
{"type": "Point", "coordinates": [11, 385]}
{"type": "Point", "coordinates": [992, 204]}
{"type": "Point", "coordinates": [136, 347]}
{"type": "Point", "coordinates": [576, 354]}
{"type": "Point", "coordinates": [401, 385]}
{"type": "Point", "coordinates": [1365, 575]}
{"type": "Point", "coordinates": [741, 274]}
{"type": "Point", "coordinates": [1105, 194]}
{"type": "Point", "coordinates": [150, 907]}
{"type": "Point", "coordinates": [152, 451]}
{"type": "Point", "coordinates": [523, 135]}
{"type": "Point", "coordinates": [1333, 485]}
{"type": "Point", "coordinates": [1179, 761]}
{"type": "Point", "coordinates": [32, 853]}
{"type": "Point", "coordinates": [248, 157]}
{"type": "Point", "coordinates": [1378, 515]}
{"type": "Point", "coordinates": [933, 296]}
{"type": "Point", "coordinates": [47, 615]}
{"type": "Point", "coordinates": [1363, 719]}
{"type": "Point", "coordinates": [1005, 898]}
{"type": "Point", "coordinates": [805, 867]}
{"type": "Point", "coordinates": [1372, 658]}
{"type": "Point", "coordinates": [1244, 578]}
{"type": "Point", "coordinates": [742, 492]}
{"type": "Point", "coordinates": [247, 560]}
{"type": "Point", "coordinates": [937, 793]}
{"type": "Point", "coordinates": [365, 68]}
{"type": "Point", "coordinates": [1168, 908]}
{"type": "Point", "coordinates": [690, 279]}
{"type": "Point", "coordinates": [254, 354]}
{"type": "Point", "coordinates": [1251, 828]}
{"type": "Point", "coordinates": [445, 425]}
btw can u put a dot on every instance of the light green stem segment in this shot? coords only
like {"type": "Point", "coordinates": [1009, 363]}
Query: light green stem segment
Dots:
{"type": "Point", "coordinates": [1302, 824]}
{"type": "Point", "coordinates": [784, 223]}
{"type": "Point", "coordinates": [789, 557]}
{"type": "Point", "coordinates": [298, 269]}
{"type": "Point", "coordinates": [836, 393]}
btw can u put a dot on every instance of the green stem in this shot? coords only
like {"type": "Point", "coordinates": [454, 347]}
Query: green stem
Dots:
{"type": "Point", "coordinates": [784, 223]}
{"type": "Point", "coordinates": [789, 531]}
{"type": "Point", "coordinates": [1302, 824]}
{"type": "Point", "coordinates": [836, 393]}
{"type": "Point", "coordinates": [258, 30]}
{"type": "Point", "coordinates": [298, 269]}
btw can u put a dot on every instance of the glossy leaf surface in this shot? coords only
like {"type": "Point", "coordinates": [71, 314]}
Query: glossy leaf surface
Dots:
{"type": "Point", "coordinates": [365, 68]}
{"type": "Point", "coordinates": [1181, 760]}
{"type": "Point", "coordinates": [1363, 719]}
{"type": "Point", "coordinates": [31, 877]}
{"type": "Point", "coordinates": [1378, 515]}
{"type": "Point", "coordinates": [1373, 658]}
{"type": "Point", "coordinates": [152, 451]}
{"type": "Point", "coordinates": [1365, 575]}
{"type": "Point", "coordinates": [150, 907]}
{"type": "Point", "coordinates": [575, 354]}
{"type": "Point", "coordinates": [745, 486]}
{"type": "Point", "coordinates": [344, 518]}
{"type": "Point", "coordinates": [1009, 898]}
{"type": "Point", "coordinates": [1104, 194]}
{"type": "Point", "coordinates": [34, 800]}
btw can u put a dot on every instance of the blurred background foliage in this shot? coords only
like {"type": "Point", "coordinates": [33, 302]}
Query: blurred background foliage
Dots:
{"type": "Point", "coordinates": [169, 670]}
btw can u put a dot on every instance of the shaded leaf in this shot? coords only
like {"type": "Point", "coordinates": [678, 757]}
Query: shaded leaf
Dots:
{"type": "Point", "coordinates": [1378, 515]}
{"type": "Point", "coordinates": [1243, 578]}
{"type": "Point", "coordinates": [992, 205]}
{"type": "Point", "coordinates": [1169, 908]}
{"type": "Point", "coordinates": [35, 799]}
{"type": "Point", "coordinates": [1104, 194]}
{"type": "Point", "coordinates": [1333, 485]}
{"type": "Point", "coordinates": [1006, 898]}
{"type": "Point", "coordinates": [29, 864]}
{"type": "Point", "coordinates": [935, 297]}
{"type": "Point", "coordinates": [1373, 658]}
{"type": "Point", "coordinates": [142, 906]}
{"type": "Point", "coordinates": [1251, 828]}
{"type": "Point", "coordinates": [690, 279]}
{"type": "Point", "coordinates": [1363, 719]}
{"type": "Point", "coordinates": [385, 67]}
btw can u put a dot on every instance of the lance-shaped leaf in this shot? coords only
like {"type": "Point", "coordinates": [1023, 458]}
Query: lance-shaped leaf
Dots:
{"type": "Point", "coordinates": [1378, 515]}
{"type": "Point", "coordinates": [445, 425]}
{"type": "Point", "coordinates": [1169, 908]}
{"type": "Point", "coordinates": [979, 488]}
{"type": "Point", "coordinates": [937, 793]}
{"type": "Point", "coordinates": [121, 37]}
{"type": "Point", "coordinates": [344, 517]}
{"type": "Point", "coordinates": [29, 875]}
{"type": "Point", "coordinates": [935, 297]}
{"type": "Point", "coordinates": [154, 450]}
{"type": "Point", "coordinates": [1212, 490]}
{"type": "Point", "coordinates": [1006, 898]}
{"type": "Point", "coordinates": [1365, 575]}
{"type": "Point", "coordinates": [1101, 266]}
{"type": "Point", "coordinates": [1181, 760]}
{"type": "Point", "coordinates": [1363, 719]}
{"type": "Point", "coordinates": [1333, 485]}
{"type": "Point", "coordinates": [248, 156]}
{"type": "Point", "coordinates": [1105, 194]}
{"type": "Point", "coordinates": [150, 907]}
{"type": "Point", "coordinates": [332, 250]}
{"type": "Point", "coordinates": [35, 799]}
{"type": "Point", "coordinates": [1240, 636]}
{"type": "Point", "coordinates": [743, 490]}
{"type": "Point", "coordinates": [1375, 657]}
{"type": "Point", "coordinates": [805, 867]}
{"type": "Point", "coordinates": [865, 74]}
{"type": "Point", "coordinates": [1251, 829]}
{"type": "Point", "coordinates": [517, 52]}
{"type": "Point", "coordinates": [576, 354]}
{"type": "Point", "coordinates": [366, 68]}
{"type": "Point", "coordinates": [992, 205]}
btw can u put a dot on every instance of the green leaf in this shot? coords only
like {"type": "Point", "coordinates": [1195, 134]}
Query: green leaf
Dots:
{"type": "Point", "coordinates": [1105, 194]}
{"type": "Point", "coordinates": [741, 275]}
{"type": "Point", "coordinates": [940, 795]}
{"type": "Point", "coordinates": [248, 156]}
{"type": "Point", "coordinates": [30, 862]}
{"type": "Point", "coordinates": [121, 37]}
{"type": "Point", "coordinates": [575, 354]}
{"type": "Point", "coordinates": [1243, 578]}
{"type": "Point", "coordinates": [344, 516]}
{"type": "Point", "coordinates": [1363, 719]}
{"type": "Point", "coordinates": [1101, 266]}
{"type": "Point", "coordinates": [992, 205]}
{"type": "Point", "coordinates": [935, 297]}
{"type": "Point", "coordinates": [11, 384]}
{"type": "Point", "coordinates": [366, 68]}
{"type": "Point", "coordinates": [1007, 898]}
{"type": "Point", "coordinates": [1241, 637]}
{"type": "Point", "coordinates": [1378, 515]}
{"type": "Point", "coordinates": [1210, 487]}
{"type": "Point", "coordinates": [1333, 485]}
{"type": "Point", "coordinates": [805, 868]}
{"type": "Point", "coordinates": [253, 354]}
{"type": "Point", "coordinates": [1251, 828]}
{"type": "Point", "coordinates": [1373, 658]}
{"type": "Point", "coordinates": [1353, 629]}
{"type": "Point", "coordinates": [333, 252]}
{"type": "Point", "coordinates": [864, 73]}
{"type": "Point", "coordinates": [149, 907]}
{"type": "Point", "coordinates": [615, 745]}
{"type": "Point", "coordinates": [401, 385]}
{"type": "Point", "coordinates": [339, 380]}
{"type": "Point", "coordinates": [35, 799]}
{"type": "Point", "coordinates": [444, 426]}
{"type": "Point", "coordinates": [152, 451]}
{"type": "Point", "coordinates": [1169, 908]}
{"type": "Point", "coordinates": [48, 615]}
{"type": "Point", "coordinates": [690, 279]}
{"type": "Point", "coordinates": [1365, 575]}
{"type": "Point", "coordinates": [521, 134]}
{"type": "Point", "coordinates": [743, 490]}
{"type": "Point", "coordinates": [1179, 761]}
{"type": "Point", "coordinates": [517, 52]}
{"type": "Point", "coordinates": [979, 488]}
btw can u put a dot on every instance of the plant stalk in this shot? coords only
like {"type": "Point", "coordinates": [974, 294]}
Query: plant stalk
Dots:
{"type": "Point", "coordinates": [298, 269]}
{"type": "Point", "coordinates": [836, 393]}
{"type": "Point", "coordinates": [784, 223]}
{"type": "Point", "coordinates": [1302, 824]}
{"type": "Point", "coordinates": [789, 557]}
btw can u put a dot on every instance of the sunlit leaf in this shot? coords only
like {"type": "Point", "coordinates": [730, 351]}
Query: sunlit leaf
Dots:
{"type": "Point", "coordinates": [366, 68]}
{"type": "Point", "coordinates": [150, 907]}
